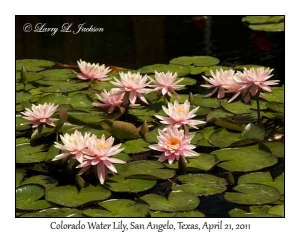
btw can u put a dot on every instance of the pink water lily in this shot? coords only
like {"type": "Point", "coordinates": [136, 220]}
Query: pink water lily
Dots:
{"type": "Point", "coordinates": [134, 84]}
{"type": "Point", "coordinates": [99, 153]}
{"type": "Point", "coordinates": [73, 144]}
{"type": "Point", "coordinates": [166, 83]}
{"type": "Point", "coordinates": [221, 81]}
{"type": "Point", "coordinates": [39, 114]}
{"type": "Point", "coordinates": [253, 81]}
{"type": "Point", "coordinates": [109, 100]}
{"type": "Point", "coordinates": [174, 144]}
{"type": "Point", "coordinates": [92, 71]}
{"type": "Point", "coordinates": [180, 114]}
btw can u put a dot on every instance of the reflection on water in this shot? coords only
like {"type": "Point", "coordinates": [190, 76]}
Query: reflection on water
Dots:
{"type": "Point", "coordinates": [135, 41]}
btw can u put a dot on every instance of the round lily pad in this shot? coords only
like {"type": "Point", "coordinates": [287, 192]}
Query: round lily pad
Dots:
{"type": "Point", "coordinates": [33, 64]}
{"type": "Point", "coordinates": [55, 213]}
{"type": "Point", "coordinates": [181, 70]}
{"type": "Point", "coordinates": [70, 197]}
{"type": "Point", "coordinates": [19, 121]}
{"type": "Point", "coordinates": [31, 76]}
{"type": "Point", "coordinates": [100, 86]}
{"type": "Point", "coordinates": [203, 162]}
{"type": "Point", "coordinates": [84, 117]}
{"type": "Point", "coordinates": [202, 101]}
{"type": "Point", "coordinates": [252, 194]}
{"type": "Point", "coordinates": [263, 178]}
{"type": "Point", "coordinates": [27, 197]}
{"type": "Point", "coordinates": [277, 95]}
{"type": "Point", "coordinates": [277, 210]}
{"type": "Point", "coordinates": [238, 213]}
{"type": "Point", "coordinates": [22, 96]}
{"type": "Point", "coordinates": [201, 184]}
{"type": "Point", "coordinates": [250, 158]}
{"type": "Point", "coordinates": [239, 107]}
{"type": "Point", "coordinates": [176, 202]}
{"type": "Point", "coordinates": [58, 74]}
{"type": "Point", "coordinates": [145, 169]}
{"type": "Point", "coordinates": [119, 208]}
{"type": "Point", "coordinates": [262, 19]}
{"type": "Point", "coordinates": [253, 131]}
{"type": "Point", "coordinates": [195, 60]}
{"type": "Point", "coordinates": [276, 107]}
{"type": "Point", "coordinates": [65, 86]}
{"type": "Point", "coordinates": [275, 27]}
{"type": "Point", "coordinates": [277, 148]}
{"type": "Point", "coordinates": [223, 138]}
{"type": "Point", "coordinates": [136, 146]}
{"type": "Point", "coordinates": [46, 181]}
{"type": "Point", "coordinates": [188, 81]}
{"type": "Point", "coordinates": [19, 176]}
{"type": "Point", "coordinates": [197, 69]}
{"type": "Point", "coordinates": [119, 183]}
{"type": "Point", "coordinates": [218, 113]}
{"type": "Point", "coordinates": [229, 124]}
{"type": "Point", "coordinates": [30, 154]}
{"type": "Point", "coordinates": [187, 214]}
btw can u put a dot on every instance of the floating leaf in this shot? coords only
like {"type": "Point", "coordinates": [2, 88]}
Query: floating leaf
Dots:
{"type": "Point", "coordinates": [83, 117]}
{"type": "Point", "coordinates": [69, 196]}
{"type": "Point", "coordinates": [55, 213]}
{"type": "Point", "coordinates": [46, 181]}
{"type": "Point", "coordinates": [276, 27]}
{"type": "Point", "coordinates": [136, 146]}
{"type": "Point", "coordinates": [176, 202]}
{"type": "Point", "coordinates": [187, 214]}
{"type": "Point", "coordinates": [262, 19]}
{"type": "Point", "coordinates": [65, 86]}
{"type": "Point", "coordinates": [252, 194]}
{"type": "Point", "coordinates": [181, 70]}
{"type": "Point", "coordinates": [22, 96]}
{"type": "Point", "coordinates": [264, 178]}
{"type": "Point", "coordinates": [195, 60]}
{"type": "Point", "coordinates": [33, 64]}
{"type": "Point", "coordinates": [277, 148]}
{"type": "Point", "coordinates": [250, 158]}
{"type": "Point", "coordinates": [31, 76]}
{"type": "Point", "coordinates": [203, 162]}
{"type": "Point", "coordinates": [100, 86]}
{"type": "Point", "coordinates": [145, 169]}
{"type": "Point", "coordinates": [30, 154]}
{"type": "Point", "coordinates": [277, 210]}
{"type": "Point", "coordinates": [197, 69]}
{"type": "Point", "coordinates": [27, 198]}
{"type": "Point", "coordinates": [239, 107]}
{"type": "Point", "coordinates": [223, 138]}
{"type": "Point", "coordinates": [126, 130]}
{"type": "Point", "coordinates": [277, 95]}
{"type": "Point", "coordinates": [238, 213]}
{"type": "Point", "coordinates": [253, 131]}
{"type": "Point", "coordinates": [206, 102]}
{"type": "Point", "coordinates": [119, 208]}
{"type": "Point", "coordinates": [206, 132]}
{"type": "Point", "coordinates": [276, 107]}
{"type": "Point", "coordinates": [19, 176]}
{"type": "Point", "coordinates": [119, 183]}
{"type": "Point", "coordinates": [187, 81]}
{"type": "Point", "coordinates": [19, 121]}
{"type": "Point", "coordinates": [229, 124]}
{"type": "Point", "coordinates": [58, 74]}
{"type": "Point", "coordinates": [201, 184]}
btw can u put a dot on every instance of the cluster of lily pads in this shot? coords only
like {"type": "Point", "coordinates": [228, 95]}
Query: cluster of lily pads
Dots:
{"type": "Point", "coordinates": [163, 163]}
{"type": "Point", "coordinates": [265, 23]}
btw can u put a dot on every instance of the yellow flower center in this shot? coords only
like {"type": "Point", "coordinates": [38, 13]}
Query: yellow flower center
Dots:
{"type": "Point", "coordinates": [180, 109]}
{"type": "Point", "coordinates": [101, 146]}
{"type": "Point", "coordinates": [173, 143]}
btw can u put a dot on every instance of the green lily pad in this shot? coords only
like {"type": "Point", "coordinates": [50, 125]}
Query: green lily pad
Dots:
{"type": "Point", "coordinates": [188, 81]}
{"type": "Point", "coordinates": [203, 162]}
{"type": "Point", "coordinates": [218, 113]}
{"type": "Point", "coordinates": [46, 181]}
{"type": "Point", "coordinates": [195, 60]}
{"type": "Point", "coordinates": [58, 74]}
{"type": "Point", "coordinates": [277, 210]}
{"type": "Point", "coordinates": [197, 69]}
{"type": "Point", "coordinates": [31, 76]}
{"type": "Point", "coordinates": [276, 107]}
{"type": "Point", "coordinates": [84, 117]}
{"type": "Point", "coordinates": [229, 124]}
{"type": "Point", "coordinates": [277, 95]}
{"type": "Point", "coordinates": [27, 197]}
{"type": "Point", "coordinates": [119, 208]}
{"type": "Point", "coordinates": [22, 96]}
{"type": "Point", "coordinates": [264, 178]}
{"type": "Point", "coordinates": [70, 197]}
{"type": "Point", "coordinates": [250, 158]}
{"type": "Point", "coordinates": [252, 194]}
{"type": "Point", "coordinates": [262, 19]}
{"type": "Point", "coordinates": [223, 138]}
{"type": "Point", "coordinates": [253, 131]}
{"type": "Point", "coordinates": [201, 101]}
{"type": "Point", "coordinates": [187, 214]}
{"type": "Point", "coordinates": [52, 152]}
{"type": "Point", "coordinates": [176, 202]}
{"type": "Point", "coordinates": [201, 184]}
{"type": "Point", "coordinates": [30, 154]}
{"type": "Point", "coordinates": [277, 148]}
{"type": "Point", "coordinates": [65, 86]}
{"type": "Point", "coordinates": [153, 109]}
{"type": "Point", "coordinates": [100, 86]}
{"type": "Point", "coordinates": [206, 132]}
{"type": "Point", "coordinates": [55, 213]}
{"type": "Point", "coordinates": [276, 27]}
{"type": "Point", "coordinates": [239, 107]}
{"type": "Point", "coordinates": [19, 121]}
{"type": "Point", "coordinates": [145, 169]}
{"type": "Point", "coordinates": [238, 213]}
{"type": "Point", "coordinates": [119, 183]}
{"type": "Point", "coordinates": [20, 87]}
{"type": "Point", "coordinates": [136, 146]}
{"type": "Point", "coordinates": [19, 176]}
{"type": "Point", "coordinates": [214, 68]}
{"type": "Point", "coordinates": [78, 100]}
{"type": "Point", "coordinates": [181, 70]}
{"type": "Point", "coordinates": [33, 64]}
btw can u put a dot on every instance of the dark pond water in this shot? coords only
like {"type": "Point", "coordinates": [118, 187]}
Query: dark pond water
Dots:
{"type": "Point", "coordinates": [135, 41]}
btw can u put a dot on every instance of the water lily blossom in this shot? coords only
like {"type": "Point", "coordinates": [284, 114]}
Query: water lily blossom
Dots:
{"type": "Point", "coordinates": [134, 84]}
{"type": "Point", "coordinates": [73, 144]}
{"type": "Point", "coordinates": [39, 114]}
{"type": "Point", "coordinates": [109, 100]}
{"type": "Point", "coordinates": [221, 81]}
{"type": "Point", "coordinates": [252, 81]}
{"type": "Point", "coordinates": [92, 71]}
{"type": "Point", "coordinates": [180, 114]}
{"type": "Point", "coordinates": [98, 153]}
{"type": "Point", "coordinates": [166, 83]}
{"type": "Point", "coordinates": [174, 144]}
